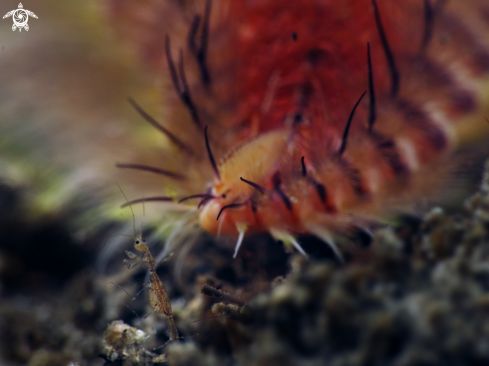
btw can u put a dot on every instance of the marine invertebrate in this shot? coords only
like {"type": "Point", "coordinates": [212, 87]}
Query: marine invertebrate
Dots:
{"type": "Point", "coordinates": [278, 84]}
{"type": "Point", "coordinates": [158, 298]}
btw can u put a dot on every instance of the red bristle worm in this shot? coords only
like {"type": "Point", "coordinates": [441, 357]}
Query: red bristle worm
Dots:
{"type": "Point", "coordinates": [271, 85]}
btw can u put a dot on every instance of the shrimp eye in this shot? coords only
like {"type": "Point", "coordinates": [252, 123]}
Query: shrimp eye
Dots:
{"type": "Point", "coordinates": [223, 196]}
{"type": "Point", "coordinates": [137, 241]}
{"type": "Point", "coordinates": [144, 240]}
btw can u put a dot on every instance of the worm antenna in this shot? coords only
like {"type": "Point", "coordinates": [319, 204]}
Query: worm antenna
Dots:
{"type": "Point", "coordinates": [371, 90]}
{"type": "Point", "coordinates": [201, 195]}
{"type": "Point", "coordinates": [258, 187]}
{"type": "Point", "coordinates": [151, 169]}
{"type": "Point", "coordinates": [429, 19]}
{"type": "Point", "coordinates": [181, 86]}
{"type": "Point", "coordinates": [171, 66]}
{"type": "Point", "coordinates": [347, 128]}
{"type": "Point", "coordinates": [159, 127]}
{"type": "Point", "coordinates": [304, 169]}
{"type": "Point", "coordinates": [194, 27]}
{"type": "Point", "coordinates": [211, 157]}
{"type": "Point", "coordinates": [387, 51]}
{"type": "Point", "coordinates": [232, 205]}
{"type": "Point", "coordinates": [285, 199]}
{"type": "Point", "coordinates": [148, 199]}
{"type": "Point", "coordinates": [204, 40]}
{"type": "Point", "coordinates": [321, 191]}
{"type": "Point", "coordinates": [200, 51]}
{"type": "Point", "coordinates": [186, 97]}
{"type": "Point", "coordinates": [204, 201]}
{"type": "Point", "coordinates": [277, 182]}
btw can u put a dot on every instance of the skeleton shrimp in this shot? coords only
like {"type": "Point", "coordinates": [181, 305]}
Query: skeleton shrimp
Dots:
{"type": "Point", "coordinates": [158, 298]}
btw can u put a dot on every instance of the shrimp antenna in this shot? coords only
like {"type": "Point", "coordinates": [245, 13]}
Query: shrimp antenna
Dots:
{"type": "Point", "coordinates": [142, 221]}
{"type": "Point", "coordinates": [211, 157]}
{"type": "Point", "coordinates": [132, 212]}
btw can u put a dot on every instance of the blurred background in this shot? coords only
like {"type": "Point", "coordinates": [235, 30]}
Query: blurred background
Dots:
{"type": "Point", "coordinates": [64, 123]}
{"type": "Point", "coordinates": [64, 111]}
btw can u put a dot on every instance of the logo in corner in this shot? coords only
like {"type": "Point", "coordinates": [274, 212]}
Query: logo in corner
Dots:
{"type": "Point", "coordinates": [20, 17]}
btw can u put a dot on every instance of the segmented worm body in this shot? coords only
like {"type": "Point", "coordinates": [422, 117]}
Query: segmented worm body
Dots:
{"type": "Point", "coordinates": [323, 115]}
